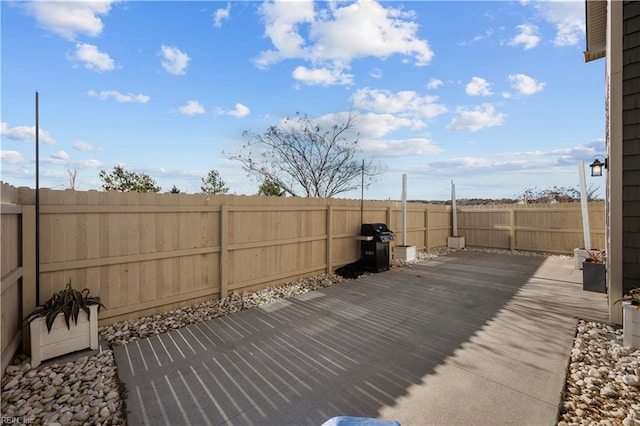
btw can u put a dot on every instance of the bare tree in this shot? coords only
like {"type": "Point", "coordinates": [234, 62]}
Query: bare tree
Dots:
{"type": "Point", "coordinates": [307, 159]}
{"type": "Point", "coordinates": [73, 174]}
{"type": "Point", "coordinates": [557, 194]}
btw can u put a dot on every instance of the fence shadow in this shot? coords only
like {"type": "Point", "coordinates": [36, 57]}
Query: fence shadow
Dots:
{"type": "Point", "coordinates": [353, 349]}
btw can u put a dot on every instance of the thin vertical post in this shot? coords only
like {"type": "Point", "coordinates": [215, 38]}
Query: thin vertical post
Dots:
{"type": "Point", "coordinates": [426, 229]}
{"type": "Point", "coordinates": [584, 205]}
{"type": "Point", "coordinates": [362, 196]}
{"type": "Point", "coordinates": [404, 209]}
{"type": "Point", "coordinates": [512, 229]}
{"type": "Point", "coordinates": [37, 227]}
{"type": "Point", "coordinates": [29, 294]}
{"type": "Point", "coordinates": [454, 210]}
{"type": "Point", "coordinates": [329, 226]}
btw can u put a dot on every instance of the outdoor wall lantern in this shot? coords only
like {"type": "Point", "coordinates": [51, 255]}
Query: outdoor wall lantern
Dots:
{"type": "Point", "coordinates": [597, 166]}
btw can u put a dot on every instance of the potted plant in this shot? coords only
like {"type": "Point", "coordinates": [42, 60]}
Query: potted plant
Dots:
{"type": "Point", "coordinates": [53, 334]}
{"type": "Point", "coordinates": [631, 318]}
{"type": "Point", "coordinates": [594, 273]}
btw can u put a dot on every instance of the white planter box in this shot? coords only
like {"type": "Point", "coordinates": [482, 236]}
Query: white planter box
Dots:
{"type": "Point", "coordinates": [579, 256]}
{"type": "Point", "coordinates": [455, 243]}
{"type": "Point", "coordinates": [60, 340]}
{"type": "Point", "coordinates": [631, 325]}
{"type": "Point", "coordinates": [406, 253]}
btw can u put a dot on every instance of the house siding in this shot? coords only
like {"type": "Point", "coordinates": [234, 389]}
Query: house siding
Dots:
{"type": "Point", "coordinates": [631, 145]}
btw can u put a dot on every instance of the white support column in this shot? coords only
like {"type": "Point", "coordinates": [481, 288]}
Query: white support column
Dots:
{"type": "Point", "coordinates": [614, 154]}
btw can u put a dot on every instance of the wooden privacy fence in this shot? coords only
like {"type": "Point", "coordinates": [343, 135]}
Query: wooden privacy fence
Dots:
{"type": "Point", "coordinates": [550, 228]}
{"type": "Point", "coordinates": [149, 253]}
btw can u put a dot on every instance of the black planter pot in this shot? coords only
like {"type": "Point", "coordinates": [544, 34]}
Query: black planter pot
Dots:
{"type": "Point", "coordinates": [594, 277]}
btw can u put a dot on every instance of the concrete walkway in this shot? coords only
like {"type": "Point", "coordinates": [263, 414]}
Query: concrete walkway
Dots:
{"type": "Point", "coordinates": [468, 338]}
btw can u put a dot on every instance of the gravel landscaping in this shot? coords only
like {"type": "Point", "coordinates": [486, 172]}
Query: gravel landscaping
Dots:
{"type": "Point", "coordinates": [602, 382]}
{"type": "Point", "coordinates": [603, 385]}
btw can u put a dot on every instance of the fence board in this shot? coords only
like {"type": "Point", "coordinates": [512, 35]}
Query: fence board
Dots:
{"type": "Point", "coordinates": [11, 272]}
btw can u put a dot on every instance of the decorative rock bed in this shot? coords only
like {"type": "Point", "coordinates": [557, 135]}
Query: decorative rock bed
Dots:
{"type": "Point", "coordinates": [603, 385]}
{"type": "Point", "coordinates": [82, 392]}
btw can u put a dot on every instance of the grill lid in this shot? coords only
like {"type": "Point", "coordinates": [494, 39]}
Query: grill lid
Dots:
{"type": "Point", "coordinates": [375, 229]}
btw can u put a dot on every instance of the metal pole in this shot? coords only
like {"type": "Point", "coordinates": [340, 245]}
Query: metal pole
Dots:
{"type": "Point", "coordinates": [362, 196]}
{"type": "Point", "coordinates": [37, 202]}
{"type": "Point", "coordinates": [404, 209]}
{"type": "Point", "coordinates": [454, 211]}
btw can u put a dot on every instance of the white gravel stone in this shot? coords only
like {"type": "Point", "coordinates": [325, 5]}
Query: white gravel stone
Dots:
{"type": "Point", "coordinates": [630, 379]}
{"type": "Point", "coordinates": [595, 373]}
{"type": "Point", "coordinates": [602, 387]}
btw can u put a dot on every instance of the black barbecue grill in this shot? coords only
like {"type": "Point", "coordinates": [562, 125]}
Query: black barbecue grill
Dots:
{"type": "Point", "coordinates": [374, 246]}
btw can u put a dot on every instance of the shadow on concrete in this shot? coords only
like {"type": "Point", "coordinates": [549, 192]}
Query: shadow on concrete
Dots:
{"type": "Point", "coordinates": [441, 342]}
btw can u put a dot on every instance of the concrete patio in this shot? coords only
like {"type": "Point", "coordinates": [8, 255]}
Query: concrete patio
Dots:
{"type": "Point", "coordinates": [468, 338]}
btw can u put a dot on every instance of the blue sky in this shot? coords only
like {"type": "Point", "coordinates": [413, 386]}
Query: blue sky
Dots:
{"type": "Point", "coordinates": [493, 95]}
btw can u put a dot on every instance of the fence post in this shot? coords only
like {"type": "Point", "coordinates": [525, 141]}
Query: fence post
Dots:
{"type": "Point", "coordinates": [329, 239]}
{"type": "Point", "coordinates": [28, 268]}
{"type": "Point", "coordinates": [389, 225]}
{"type": "Point", "coordinates": [512, 229]}
{"type": "Point", "coordinates": [224, 253]}
{"type": "Point", "coordinates": [426, 229]}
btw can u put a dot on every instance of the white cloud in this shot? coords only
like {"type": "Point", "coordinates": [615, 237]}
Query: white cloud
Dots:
{"type": "Point", "coordinates": [567, 17]}
{"type": "Point", "coordinates": [368, 125]}
{"type": "Point", "coordinates": [11, 157]}
{"type": "Point", "coordinates": [541, 161]}
{"type": "Point", "coordinates": [337, 35]}
{"type": "Point", "coordinates": [69, 18]}
{"type": "Point", "coordinates": [434, 83]}
{"type": "Point", "coordinates": [89, 164]}
{"type": "Point", "coordinates": [399, 147]}
{"type": "Point", "coordinates": [474, 119]}
{"type": "Point", "coordinates": [488, 33]}
{"type": "Point", "coordinates": [191, 108]}
{"type": "Point", "coordinates": [528, 36]}
{"type": "Point", "coordinates": [93, 59]}
{"type": "Point", "coordinates": [282, 20]}
{"type": "Point", "coordinates": [174, 60]}
{"type": "Point", "coordinates": [239, 111]}
{"type": "Point", "coordinates": [82, 146]}
{"type": "Point", "coordinates": [119, 97]}
{"type": "Point", "coordinates": [25, 134]}
{"type": "Point", "coordinates": [221, 15]}
{"type": "Point", "coordinates": [372, 125]}
{"type": "Point", "coordinates": [376, 73]}
{"type": "Point", "coordinates": [321, 76]}
{"type": "Point", "coordinates": [365, 28]}
{"type": "Point", "coordinates": [403, 102]}
{"type": "Point", "coordinates": [524, 84]}
{"type": "Point", "coordinates": [478, 87]}
{"type": "Point", "coordinates": [60, 155]}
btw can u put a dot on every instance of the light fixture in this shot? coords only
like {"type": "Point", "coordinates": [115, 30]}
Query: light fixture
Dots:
{"type": "Point", "coordinates": [597, 166]}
